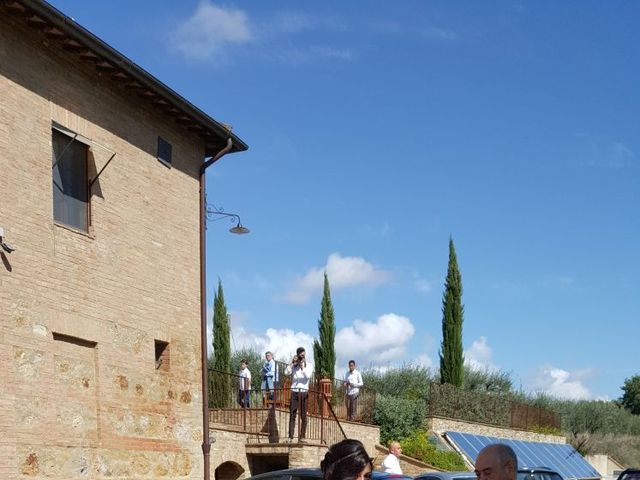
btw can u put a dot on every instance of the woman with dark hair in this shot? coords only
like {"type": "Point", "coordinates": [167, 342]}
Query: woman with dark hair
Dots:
{"type": "Point", "coordinates": [346, 460]}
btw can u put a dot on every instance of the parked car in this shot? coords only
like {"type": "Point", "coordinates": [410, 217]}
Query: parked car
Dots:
{"type": "Point", "coordinates": [447, 476]}
{"type": "Point", "coordinates": [290, 474]}
{"type": "Point", "coordinates": [316, 474]}
{"type": "Point", "coordinates": [539, 473]}
{"type": "Point", "coordinates": [630, 474]}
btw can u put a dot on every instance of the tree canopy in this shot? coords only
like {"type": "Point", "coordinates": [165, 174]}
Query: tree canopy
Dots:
{"type": "Point", "coordinates": [631, 398]}
{"type": "Point", "coordinates": [324, 353]}
{"type": "Point", "coordinates": [451, 354]}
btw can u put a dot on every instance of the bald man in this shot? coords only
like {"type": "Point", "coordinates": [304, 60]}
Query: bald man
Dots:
{"type": "Point", "coordinates": [391, 463]}
{"type": "Point", "coordinates": [496, 462]}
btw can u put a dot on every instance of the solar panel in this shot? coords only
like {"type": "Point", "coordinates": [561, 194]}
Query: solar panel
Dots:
{"type": "Point", "coordinates": [560, 457]}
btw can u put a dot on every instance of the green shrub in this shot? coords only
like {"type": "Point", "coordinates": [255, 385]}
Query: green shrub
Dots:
{"type": "Point", "coordinates": [417, 445]}
{"type": "Point", "coordinates": [409, 381]}
{"type": "Point", "coordinates": [546, 430]}
{"type": "Point", "coordinates": [397, 417]}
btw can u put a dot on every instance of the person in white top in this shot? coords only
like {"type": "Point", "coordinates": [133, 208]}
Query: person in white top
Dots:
{"type": "Point", "coordinates": [391, 464]}
{"type": "Point", "coordinates": [300, 373]}
{"type": "Point", "coordinates": [353, 382]}
{"type": "Point", "coordinates": [244, 385]}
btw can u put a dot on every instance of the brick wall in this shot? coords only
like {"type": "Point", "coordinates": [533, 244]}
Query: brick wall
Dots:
{"type": "Point", "coordinates": [95, 407]}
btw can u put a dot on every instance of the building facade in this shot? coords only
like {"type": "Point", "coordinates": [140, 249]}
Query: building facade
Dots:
{"type": "Point", "coordinates": [100, 301]}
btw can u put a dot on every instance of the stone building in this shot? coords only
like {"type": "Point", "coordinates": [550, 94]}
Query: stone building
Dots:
{"type": "Point", "coordinates": [100, 304]}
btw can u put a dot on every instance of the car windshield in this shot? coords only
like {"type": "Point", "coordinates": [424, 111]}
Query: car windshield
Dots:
{"type": "Point", "coordinates": [539, 475]}
{"type": "Point", "coordinates": [630, 475]}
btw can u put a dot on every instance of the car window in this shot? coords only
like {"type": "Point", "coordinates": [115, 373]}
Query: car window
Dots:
{"type": "Point", "coordinates": [630, 476]}
{"type": "Point", "coordinates": [538, 476]}
{"type": "Point", "coordinates": [285, 477]}
{"type": "Point", "coordinates": [300, 477]}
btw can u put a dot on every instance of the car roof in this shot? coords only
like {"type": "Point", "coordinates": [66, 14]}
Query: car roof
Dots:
{"type": "Point", "coordinates": [536, 469]}
{"type": "Point", "coordinates": [316, 473]}
{"type": "Point", "coordinates": [378, 475]}
{"type": "Point", "coordinates": [447, 475]}
{"type": "Point", "coordinates": [300, 472]}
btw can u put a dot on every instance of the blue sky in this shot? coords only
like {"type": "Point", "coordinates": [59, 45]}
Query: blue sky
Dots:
{"type": "Point", "coordinates": [379, 129]}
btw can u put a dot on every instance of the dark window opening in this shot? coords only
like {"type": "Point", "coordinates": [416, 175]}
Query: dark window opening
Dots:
{"type": "Point", "coordinates": [81, 342]}
{"type": "Point", "coordinates": [164, 151]}
{"type": "Point", "coordinates": [162, 355]}
{"type": "Point", "coordinates": [70, 181]}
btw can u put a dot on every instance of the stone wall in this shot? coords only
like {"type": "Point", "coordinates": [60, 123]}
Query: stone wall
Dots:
{"type": "Point", "coordinates": [369, 435]}
{"type": "Point", "coordinates": [229, 446]}
{"type": "Point", "coordinates": [441, 425]}
{"type": "Point", "coordinates": [232, 444]}
{"type": "Point", "coordinates": [80, 395]}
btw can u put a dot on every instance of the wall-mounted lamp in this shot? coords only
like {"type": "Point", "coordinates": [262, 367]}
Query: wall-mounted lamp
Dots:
{"type": "Point", "coordinates": [214, 213]}
{"type": "Point", "coordinates": [6, 246]}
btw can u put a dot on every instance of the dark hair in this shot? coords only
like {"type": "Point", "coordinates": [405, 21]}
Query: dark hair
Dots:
{"type": "Point", "coordinates": [345, 460]}
{"type": "Point", "coordinates": [352, 361]}
{"type": "Point", "coordinates": [244, 360]}
{"type": "Point", "coordinates": [299, 350]}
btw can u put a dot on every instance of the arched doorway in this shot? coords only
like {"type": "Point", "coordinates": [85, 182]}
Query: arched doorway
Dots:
{"type": "Point", "coordinates": [228, 471]}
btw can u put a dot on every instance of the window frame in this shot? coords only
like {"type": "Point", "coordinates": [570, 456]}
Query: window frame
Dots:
{"type": "Point", "coordinates": [73, 137]}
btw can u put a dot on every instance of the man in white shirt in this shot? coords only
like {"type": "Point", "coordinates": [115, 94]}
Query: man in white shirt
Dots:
{"type": "Point", "coordinates": [353, 382]}
{"type": "Point", "coordinates": [391, 464]}
{"type": "Point", "coordinates": [300, 377]}
{"type": "Point", "coordinates": [244, 385]}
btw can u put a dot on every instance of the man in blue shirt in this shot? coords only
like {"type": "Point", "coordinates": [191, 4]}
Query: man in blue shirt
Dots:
{"type": "Point", "coordinates": [269, 377]}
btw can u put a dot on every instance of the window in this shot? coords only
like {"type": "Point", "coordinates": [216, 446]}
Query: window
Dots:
{"type": "Point", "coordinates": [164, 151]}
{"type": "Point", "coordinates": [70, 181]}
{"type": "Point", "coordinates": [162, 355]}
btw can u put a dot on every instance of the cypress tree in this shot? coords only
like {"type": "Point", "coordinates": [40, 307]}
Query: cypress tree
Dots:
{"type": "Point", "coordinates": [451, 355]}
{"type": "Point", "coordinates": [220, 392]}
{"type": "Point", "coordinates": [324, 352]}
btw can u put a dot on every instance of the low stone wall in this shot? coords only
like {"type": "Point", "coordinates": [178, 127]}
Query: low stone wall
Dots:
{"type": "Point", "coordinates": [369, 435]}
{"type": "Point", "coordinates": [232, 444]}
{"type": "Point", "coordinates": [229, 446]}
{"type": "Point", "coordinates": [441, 425]}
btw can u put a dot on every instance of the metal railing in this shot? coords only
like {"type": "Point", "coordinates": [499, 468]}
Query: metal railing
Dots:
{"type": "Point", "coordinates": [453, 402]}
{"type": "Point", "coordinates": [364, 404]}
{"type": "Point", "coordinates": [265, 416]}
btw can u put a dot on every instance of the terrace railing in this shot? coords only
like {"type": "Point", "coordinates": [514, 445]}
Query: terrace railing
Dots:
{"type": "Point", "coordinates": [365, 404]}
{"type": "Point", "coordinates": [266, 417]}
{"type": "Point", "coordinates": [452, 402]}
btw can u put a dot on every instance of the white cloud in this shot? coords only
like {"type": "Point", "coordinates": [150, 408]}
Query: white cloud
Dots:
{"type": "Point", "coordinates": [296, 22]}
{"type": "Point", "coordinates": [423, 285]}
{"type": "Point", "coordinates": [562, 383]}
{"type": "Point", "coordinates": [209, 30]}
{"type": "Point", "coordinates": [559, 281]}
{"type": "Point", "coordinates": [375, 343]}
{"type": "Point", "coordinates": [308, 54]}
{"type": "Point", "coordinates": [282, 342]}
{"type": "Point", "coordinates": [343, 272]}
{"type": "Point", "coordinates": [423, 360]}
{"type": "Point", "coordinates": [478, 355]}
{"type": "Point", "coordinates": [390, 27]}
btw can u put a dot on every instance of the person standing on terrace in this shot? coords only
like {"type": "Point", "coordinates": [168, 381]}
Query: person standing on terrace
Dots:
{"type": "Point", "coordinates": [268, 377]}
{"type": "Point", "coordinates": [300, 373]}
{"type": "Point", "coordinates": [353, 382]}
{"type": "Point", "coordinates": [244, 385]}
